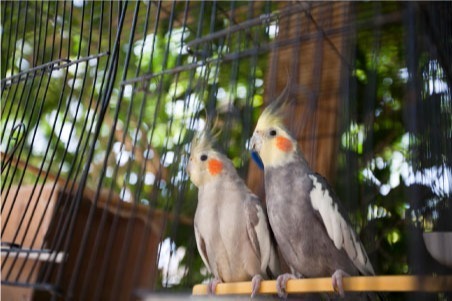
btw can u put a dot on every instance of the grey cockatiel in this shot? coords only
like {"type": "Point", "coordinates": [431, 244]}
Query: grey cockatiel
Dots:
{"type": "Point", "coordinates": [309, 225]}
{"type": "Point", "coordinates": [231, 228]}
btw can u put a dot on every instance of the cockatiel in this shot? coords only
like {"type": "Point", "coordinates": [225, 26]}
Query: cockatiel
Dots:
{"type": "Point", "coordinates": [231, 228]}
{"type": "Point", "coordinates": [310, 227]}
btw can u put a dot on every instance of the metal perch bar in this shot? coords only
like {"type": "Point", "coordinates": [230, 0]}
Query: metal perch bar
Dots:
{"type": "Point", "coordinates": [399, 283]}
{"type": "Point", "coordinates": [34, 254]}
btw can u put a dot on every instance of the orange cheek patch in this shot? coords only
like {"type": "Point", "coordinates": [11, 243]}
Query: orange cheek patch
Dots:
{"type": "Point", "coordinates": [215, 166]}
{"type": "Point", "coordinates": [283, 144]}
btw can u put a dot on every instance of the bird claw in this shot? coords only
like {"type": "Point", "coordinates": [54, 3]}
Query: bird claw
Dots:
{"type": "Point", "coordinates": [336, 280]}
{"type": "Point", "coordinates": [281, 283]}
{"type": "Point", "coordinates": [212, 286]}
{"type": "Point", "coordinates": [256, 284]}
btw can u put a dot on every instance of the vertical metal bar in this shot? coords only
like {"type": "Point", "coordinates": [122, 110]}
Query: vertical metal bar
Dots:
{"type": "Point", "coordinates": [232, 79]}
{"type": "Point", "coordinates": [6, 6]}
{"type": "Point", "coordinates": [78, 198]}
{"type": "Point", "coordinates": [23, 173]}
{"type": "Point", "coordinates": [99, 288]}
{"type": "Point", "coordinates": [92, 260]}
{"type": "Point", "coordinates": [138, 266]}
{"type": "Point", "coordinates": [60, 235]}
{"type": "Point", "coordinates": [176, 196]}
{"type": "Point", "coordinates": [13, 124]}
{"type": "Point", "coordinates": [40, 170]}
{"type": "Point", "coordinates": [46, 271]}
{"type": "Point", "coordinates": [131, 220]}
{"type": "Point", "coordinates": [348, 113]}
{"type": "Point", "coordinates": [16, 31]}
{"type": "Point", "coordinates": [159, 100]}
{"type": "Point", "coordinates": [23, 39]}
{"type": "Point", "coordinates": [83, 132]}
{"type": "Point", "coordinates": [247, 114]}
{"type": "Point", "coordinates": [38, 44]}
{"type": "Point", "coordinates": [154, 191]}
{"type": "Point", "coordinates": [410, 117]}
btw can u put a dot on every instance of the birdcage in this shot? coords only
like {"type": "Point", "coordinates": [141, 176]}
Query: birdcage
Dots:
{"type": "Point", "coordinates": [100, 100]}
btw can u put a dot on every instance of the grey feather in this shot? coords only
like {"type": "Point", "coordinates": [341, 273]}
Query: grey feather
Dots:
{"type": "Point", "coordinates": [252, 208]}
{"type": "Point", "coordinates": [202, 248]}
{"type": "Point", "coordinates": [232, 225]}
{"type": "Point", "coordinates": [309, 224]}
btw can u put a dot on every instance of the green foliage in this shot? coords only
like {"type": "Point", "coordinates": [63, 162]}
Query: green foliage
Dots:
{"type": "Point", "coordinates": [386, 177]}
{"type": "Point", "coordinates": [141, 150]}
{"type": "Point", "coordinates": [155, 108]}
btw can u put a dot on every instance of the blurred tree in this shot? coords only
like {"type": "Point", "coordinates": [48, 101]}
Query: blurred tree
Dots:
{"type": "Point", "coordinates": [168, 83]}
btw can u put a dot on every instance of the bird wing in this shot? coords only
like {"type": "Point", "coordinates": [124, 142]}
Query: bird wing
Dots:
{"type": "Point", "coordinates": [335, 221]}
{"type": "Point", "coordinates": [260, 236]}
{"type": "Point", "coordinates": [202, 248]}
{"type": "Point", "coordinates": [252, 222]}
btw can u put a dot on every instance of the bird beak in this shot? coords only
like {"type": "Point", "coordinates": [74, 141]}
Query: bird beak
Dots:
{"type": "Point", "coordinates": [255, 147]}
{"type": "Point", "coordinates": [256, 142]}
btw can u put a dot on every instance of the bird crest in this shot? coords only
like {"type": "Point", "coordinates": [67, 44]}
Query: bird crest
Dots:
{"type": "Point", "coordinates": [203, 143]}
{"type": "Point", "coordinates": [274, 112]}
{"type": "Point", "coordinates": [205, 139]}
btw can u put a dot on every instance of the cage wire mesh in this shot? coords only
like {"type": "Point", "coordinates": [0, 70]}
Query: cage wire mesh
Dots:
{"type": "Point", "coordinates": [100, 101]}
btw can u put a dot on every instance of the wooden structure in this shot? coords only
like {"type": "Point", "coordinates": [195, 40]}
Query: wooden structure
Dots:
{"type": "Point", "coordinates": [315, 63]}
{"type": "Point", "coordinates": [31, 260]}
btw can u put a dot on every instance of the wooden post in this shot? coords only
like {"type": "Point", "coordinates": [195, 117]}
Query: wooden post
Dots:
{"type": "Point", "coordinates": [315, 61]}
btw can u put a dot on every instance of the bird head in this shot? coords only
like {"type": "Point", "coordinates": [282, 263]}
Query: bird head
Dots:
{"type": "Point", "coordinates": [271, 140]}
{"type": "Point", "coordinates": [205, 163]}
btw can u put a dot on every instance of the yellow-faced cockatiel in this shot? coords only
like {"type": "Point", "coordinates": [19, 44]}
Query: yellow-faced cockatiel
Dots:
{"type": "Point", "coordinates": [310, 227]}
{"type": "Point", "coordinates": [231, 228]}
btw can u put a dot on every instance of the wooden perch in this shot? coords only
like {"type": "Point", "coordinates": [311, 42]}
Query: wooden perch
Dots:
{"type": "Point", "coordinates": [398, 283]}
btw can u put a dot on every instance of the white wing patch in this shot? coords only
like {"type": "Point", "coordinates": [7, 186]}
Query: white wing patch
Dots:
{"type": "Point", "coordinates": [337, 228]}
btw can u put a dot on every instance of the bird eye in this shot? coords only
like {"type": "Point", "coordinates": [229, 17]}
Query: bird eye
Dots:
{"type": "Point", "coordinates": [273, 133]}
{"type": "Point", "coordinates": [203, 157]}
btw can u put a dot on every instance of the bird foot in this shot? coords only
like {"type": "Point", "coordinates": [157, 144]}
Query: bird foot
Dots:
{"type": "Point", "coordinates": [211, 287]}
{"type": "Point", "coordinates": [336, 280]}
{"type": "Point", "coordinates": [256, 284]}
{"type": "Point", "coordinates": [281, 283]}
